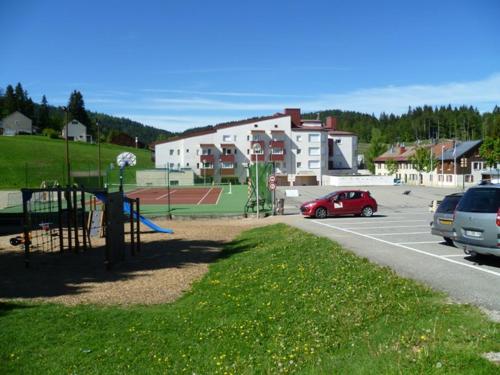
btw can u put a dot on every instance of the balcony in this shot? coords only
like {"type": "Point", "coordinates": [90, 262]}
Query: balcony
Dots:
{"type": "Point", "coordinates": [257, 157]}
{"type": "Point", "coordinates": [227, 158]}
{"type": "Point", "coordinates": [227, 172]}
{"type": "Point", "coordinates": [277, 157]}
{"type": "Point", "coordinates": [207, 158]}
{"type": "Point", "coordinates": [277, 144]}
{"type": "Point", "coordinates": [205, 172]}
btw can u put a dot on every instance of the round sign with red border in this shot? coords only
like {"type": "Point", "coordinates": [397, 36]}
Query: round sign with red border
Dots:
{"type": "Point", "coordinates": [272, 179]}
{"type": "Point", "coordinates": [272, 186]}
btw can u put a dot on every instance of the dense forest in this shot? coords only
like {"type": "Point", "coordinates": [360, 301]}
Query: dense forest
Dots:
{"type": "Point", "coordinates": [427, 122]}
{"type": "Point", "coordinates": [419, 123]}
{"type": "Point", "coordinates": [47, 116]}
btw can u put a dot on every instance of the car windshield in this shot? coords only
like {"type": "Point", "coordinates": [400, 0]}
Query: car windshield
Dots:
{"type": "Point", "coordinates": [485, 200]}
{"type": "Point", "coordinates": [449, 204]}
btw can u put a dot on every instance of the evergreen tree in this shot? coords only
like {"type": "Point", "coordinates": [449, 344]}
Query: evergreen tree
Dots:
{"type": "Point", "coordinates": [43, 114]}
{"type": "Point", "coordinates": [9, 100]}
{"type": "Point", "coordinates": [76, 109]}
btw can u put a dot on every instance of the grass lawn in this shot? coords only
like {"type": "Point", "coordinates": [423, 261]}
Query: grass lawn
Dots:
{"type": "Point", "coordinates": [279, 300]}
{"type": "Point", "coordinates": [26, 161]}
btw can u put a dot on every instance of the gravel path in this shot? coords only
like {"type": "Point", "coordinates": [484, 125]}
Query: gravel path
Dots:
{"type": "Point", "coordinates": [164, 270]}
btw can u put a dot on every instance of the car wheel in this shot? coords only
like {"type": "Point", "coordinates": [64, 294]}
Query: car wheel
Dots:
{"type": "Point", "coordinates": [320, 213]}
{"type": "Point", "coordinates": [448, 241]}
{"type": "Point", "coordinates": [367, 211]}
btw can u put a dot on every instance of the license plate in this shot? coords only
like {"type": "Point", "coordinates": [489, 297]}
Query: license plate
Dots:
{"type": "Point", "coordinates": [445, 221]}
{"type": "Point", "coordinates": [472, 233]}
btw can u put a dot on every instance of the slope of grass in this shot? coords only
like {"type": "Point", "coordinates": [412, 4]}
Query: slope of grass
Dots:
{"type": "Point", "coordinates": [280, 301]}
{"type": "Point", "coordinates": [26, 161]}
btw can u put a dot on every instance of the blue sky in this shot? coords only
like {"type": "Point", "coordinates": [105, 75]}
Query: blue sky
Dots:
{"type": "Point", "coordinates": [179, 64]}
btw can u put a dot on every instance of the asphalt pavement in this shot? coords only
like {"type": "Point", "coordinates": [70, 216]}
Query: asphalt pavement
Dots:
{"type": "Point", "coordinates": [398, 236]}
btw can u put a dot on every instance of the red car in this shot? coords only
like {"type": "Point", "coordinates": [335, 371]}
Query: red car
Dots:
{"type": "Point", "coordinates": [342, 202]}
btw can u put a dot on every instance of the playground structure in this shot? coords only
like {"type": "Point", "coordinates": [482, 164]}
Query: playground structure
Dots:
{"type": "Point", "coordinates": [66, 220]}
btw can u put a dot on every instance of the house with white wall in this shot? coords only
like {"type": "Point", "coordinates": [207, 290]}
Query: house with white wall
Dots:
{"type": "Point", "coordinates": [299, 149]}
{"type": "Point", "coordinates": [75, 131]}
{"type": "Point", "coordinates": [16, 123]}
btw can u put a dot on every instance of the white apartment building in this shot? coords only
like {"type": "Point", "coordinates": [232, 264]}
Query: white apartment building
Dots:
{"type": "Point", "coordinates": [301, 150]}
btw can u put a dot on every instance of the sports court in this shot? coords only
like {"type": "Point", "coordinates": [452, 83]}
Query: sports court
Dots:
{"type": "Point", "coordinates": [177, 195]}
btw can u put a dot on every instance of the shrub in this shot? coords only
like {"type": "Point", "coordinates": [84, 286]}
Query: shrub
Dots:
{"type": "Point", "coordinates": [51, 133]}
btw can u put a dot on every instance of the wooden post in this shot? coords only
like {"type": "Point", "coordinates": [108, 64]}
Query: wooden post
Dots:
{"type": "Point", "coordinates": [138, 238]}
{"type": "Point", "coordinates": [75, 218]}
{"type": "Point", "coordinates": [84, 225]}
{"type": "Point", "coordinates": [69, 219]}
{"type": "Point", "coordinates": [132, 233]}
{"type": "Point", "coordinates": [27, 228]}
{"type": "Point", "coordinates": [59, 218]}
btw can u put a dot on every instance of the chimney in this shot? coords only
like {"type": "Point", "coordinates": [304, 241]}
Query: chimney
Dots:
{"type": "Point", "coordinates": [331, 123]}
{"type": "Point", "coordinates": [294, 113]}
{"type": "Point", "coordinates": [402, 149]}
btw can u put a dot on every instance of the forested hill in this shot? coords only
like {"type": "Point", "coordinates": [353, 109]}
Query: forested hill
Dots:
{"type": "Point", "coordinates": [419, 123]}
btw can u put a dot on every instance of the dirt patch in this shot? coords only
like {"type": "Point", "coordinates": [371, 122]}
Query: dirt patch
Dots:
{"type": "Point", "coordinates": [166, 267]}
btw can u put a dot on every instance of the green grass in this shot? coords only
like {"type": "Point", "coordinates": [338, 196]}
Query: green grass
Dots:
{"type": "Point", "coordinates": [279, 300]}
{"type": "Point", "coordinates": [26, 161]}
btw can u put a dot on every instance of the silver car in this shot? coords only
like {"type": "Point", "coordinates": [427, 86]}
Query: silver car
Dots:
{"type": "Point", "coordinates": [442, 224]}
{"type": "Point", "coordinates": [476, 227]}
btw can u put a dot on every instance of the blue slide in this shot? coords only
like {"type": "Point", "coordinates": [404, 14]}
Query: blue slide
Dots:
{"type": "Point", "coordinates": [146, 222]}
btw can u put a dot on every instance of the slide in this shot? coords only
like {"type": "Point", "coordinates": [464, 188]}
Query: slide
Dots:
{"type": "Point", "coordinates": [146, 222]}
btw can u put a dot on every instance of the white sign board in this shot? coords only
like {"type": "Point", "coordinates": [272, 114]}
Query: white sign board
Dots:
{"type": "Point", "coordinates": [291, 193]}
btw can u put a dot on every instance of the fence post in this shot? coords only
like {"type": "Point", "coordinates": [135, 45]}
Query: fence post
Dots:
{"type": "Point", "coordinates": [138, 212]}
{"type": "Point", "coordinates": [26, 174]}
{"type": "Point", "coordinates": [27, 228]}
{"type": "Point", "coordinates": [59, 217]}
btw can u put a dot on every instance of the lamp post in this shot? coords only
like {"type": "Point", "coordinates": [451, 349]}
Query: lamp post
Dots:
{"type": "Point", "coordinates": [98, 153]}
{"type": "Point", "coordinates": [257, 150]}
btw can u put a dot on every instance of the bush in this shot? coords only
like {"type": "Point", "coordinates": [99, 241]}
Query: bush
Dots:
{"type": "Point", "coordinates": [233, 180]}
{"type": "Point", "coordinates": [51, 133]}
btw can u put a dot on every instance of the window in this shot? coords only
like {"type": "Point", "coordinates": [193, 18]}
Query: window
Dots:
{"type": "Point", "coordinates": [226, 151]}
{"type": "Point", "coordinates": [299, 138]}
{"type": "Point", "coordinates": [207, 165]}
{"type": "Point", "coordinates": [440, 178]}
{"type": "Point", "coordinates": [485, 200]}
{"type": "Point", "coordinates": [469, 178]}
{"type": "Point", "coordinates": [248, 151]}
{"type": "Point", "coordinates": [314, 151]}
{"type": "Point", "coordinates": [227, 165]}
{"type": "Point", "coordinates": [299, 164]}
{"type": "Point", "coordinates": [206, 151]}
{"type": "Point", "coordinates": [234, 138]}
{"type": "Point", "coordinates": [187, 151]}
{"type": "Point", "coordinates": [187, 164]}
{"type": "Point", "coordinates": [339, 141]}
{"type": "Point", "coordinates": [258, 152]}
{"type": "Point", "coordinates": [449, 178]}
{"type": "Point", "coordinates": [226, 138]}
{"type": "Point", "coordinates": [255, 137]}
{"type": "Point", "coordinates": [248, 137]}
{"type": "Point", "coordinates": [298, 151]}
{"type": "Point", "coordinates": [277, 151]}
{"type": "Point", "coordinates": [477, 165]}
{"type": "Point", "coordinates": [314, 164]}
{"type": "Point", "coordinates": [171, 152]}
{"type": "Point", "coordinates": [197, 165]}
{"type": "Point", "coordinates": [235, 151]}
{"type": "Point", "coordinates": [178, 152]}
{"type": "Point", "coordinates": [314, 138]}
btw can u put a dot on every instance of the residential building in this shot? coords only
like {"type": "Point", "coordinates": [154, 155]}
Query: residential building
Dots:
{"type": "Point", "coordinates": [454, 164]}
{"type": "Point", "coordinates": [16, 123]}
{"type": "Point", "coordinates": [76, 131]}
{"type": "Point", "coordinates": [302, 150]}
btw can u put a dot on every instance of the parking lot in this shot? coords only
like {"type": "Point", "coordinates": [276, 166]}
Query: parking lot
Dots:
{"type": "Point", "coordinates": [398, 236]}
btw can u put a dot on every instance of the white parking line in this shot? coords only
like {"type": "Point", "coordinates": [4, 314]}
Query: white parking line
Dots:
{"type": "Point", "coordinates": [389, 234]}
{"type": "Point", "coordinates": [392, 226]}
{"type": "Point", "coordinates": [453, 255]}
{"type": "Point", "coordinates": [201, 200]}
{"type": "Point", "coordinates": [411, 249]}
{"type": "Point", "coordinates": [381, 219]}
{"type": "Point", "coordinates": [166, 195]}
{"type": "Point", "coordinates": [409, 243]}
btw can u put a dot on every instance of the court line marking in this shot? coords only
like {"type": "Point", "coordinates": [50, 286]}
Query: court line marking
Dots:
{"type": "Point", "coordinates": [411, 249]}
{"type": "Point", "coordinates": [218, 198]}
{"type": "Point", "coordinates": [138, 191]}
{"type": "Point", "coordinates": [201, 200]}
{"type": "Point", "coordinates": [409, 243]}
{"type": "Point", "coordinates": [165, 195]}
{"type": "Point", "coordinates": [392, 226]}
{"type": "Point", "coordinates": [392, 234]}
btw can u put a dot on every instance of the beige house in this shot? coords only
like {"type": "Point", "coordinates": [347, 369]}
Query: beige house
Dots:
{"type": "Point", "coordinates": [16, 123]}
{"type": "Point", "coordinates": [76, 131]}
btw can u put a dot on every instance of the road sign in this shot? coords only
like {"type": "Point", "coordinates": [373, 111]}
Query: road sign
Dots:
{"type": "Point", "coordinates": [272, 186]}
{"type": "Point", "coordinates": [272, 179]}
